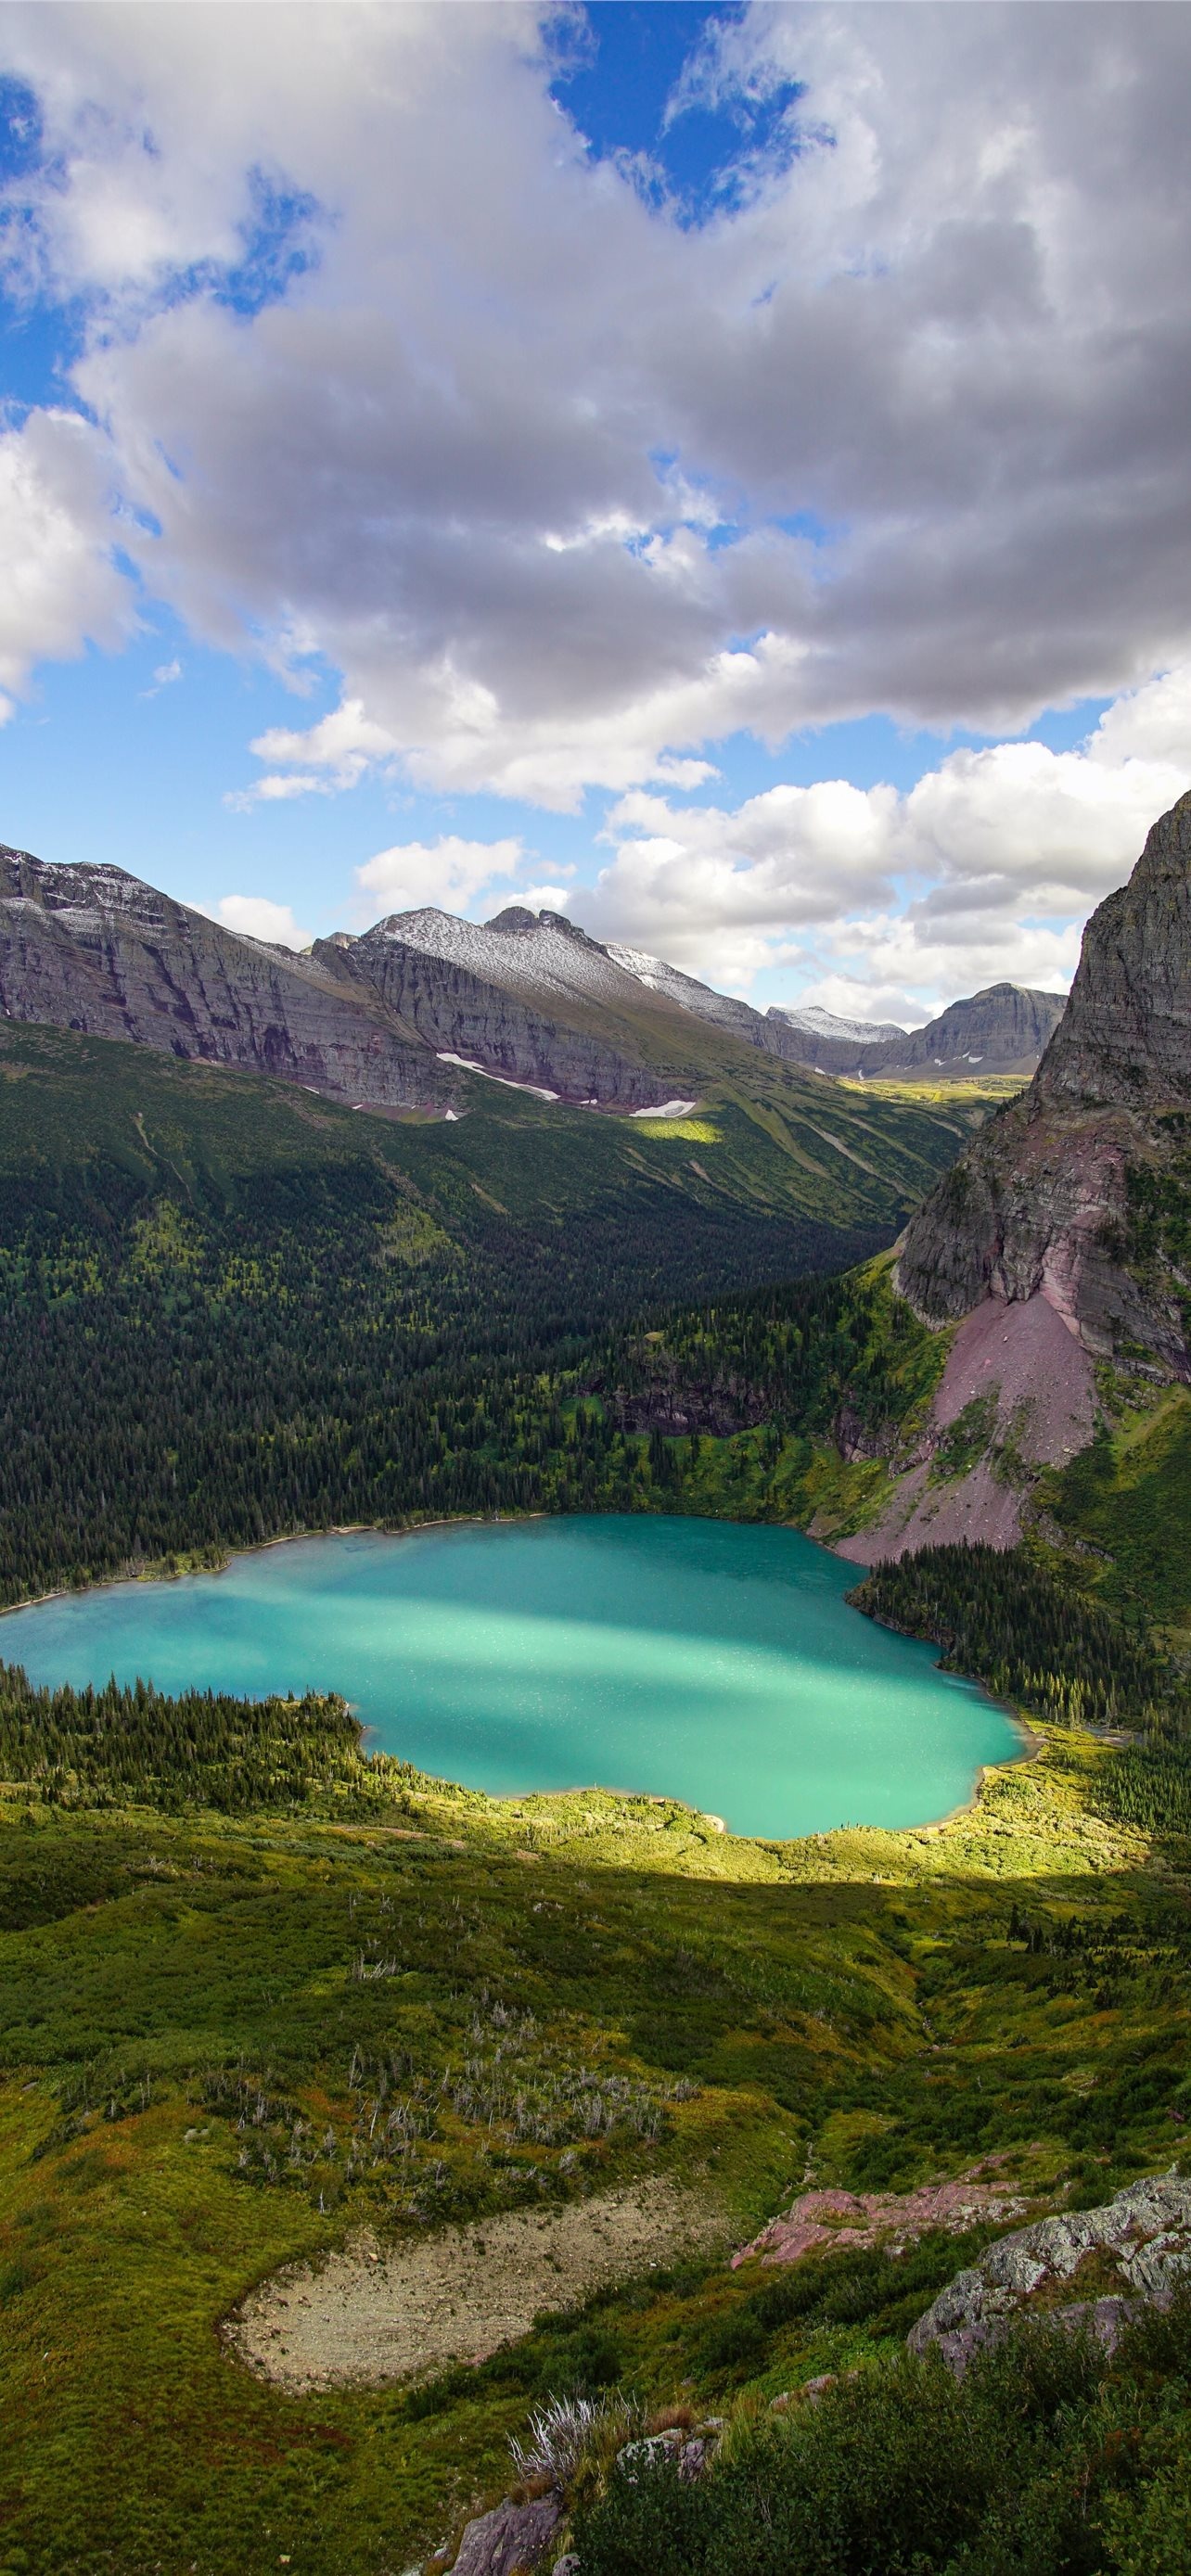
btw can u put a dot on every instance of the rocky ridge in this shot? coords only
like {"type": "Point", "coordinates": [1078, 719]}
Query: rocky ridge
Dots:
{"type": "Point", "coordinates": [95, 949]}
{"type": "Point", "coordinates": [392, 1019]}
{"type": "Point", "coordinates": [1059, 1238]}
{"type": "Point", "coordinates": [1002, 1030]}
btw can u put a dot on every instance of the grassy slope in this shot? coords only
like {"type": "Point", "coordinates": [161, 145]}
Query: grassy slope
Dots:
{"type": "Point", "coordinates": [776, 1151]}
{"type": "Point", "coordinates": [1127, 1501]}
{"type": "Point", "coordinates": [852, 2003]}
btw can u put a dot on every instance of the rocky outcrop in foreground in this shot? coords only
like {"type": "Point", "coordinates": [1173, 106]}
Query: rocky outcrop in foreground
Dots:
{"type": "Point", "coordinates": [1095, 2268]}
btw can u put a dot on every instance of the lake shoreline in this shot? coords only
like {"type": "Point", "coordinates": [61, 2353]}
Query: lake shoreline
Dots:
{"type": "Point", "coordinates": [163, 1573]}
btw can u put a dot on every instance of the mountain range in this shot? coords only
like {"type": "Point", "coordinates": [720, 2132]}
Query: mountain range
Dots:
{"type": "Point", "coordinates": [392, 1019]}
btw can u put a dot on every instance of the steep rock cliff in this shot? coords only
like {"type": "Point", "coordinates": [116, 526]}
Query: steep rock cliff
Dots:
{"type": "Point", "coordinates": [502, 998]}
{"type": "Point", "coordinates": [1048, 1199]}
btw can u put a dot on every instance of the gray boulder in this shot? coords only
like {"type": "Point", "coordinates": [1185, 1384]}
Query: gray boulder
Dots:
{"type": "Point", "coordinates": [1146, 2231]}
{"type": "Point", "coordinates": [510, 2537]}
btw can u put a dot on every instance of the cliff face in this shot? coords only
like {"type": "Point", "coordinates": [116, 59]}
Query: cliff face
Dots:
{"type": "Point", "coordinates": [1125, 1038]}
{"type": "Point", "coordinates": [94, 949]}
{"type": "Point", "coordinates": [1045, 1201]}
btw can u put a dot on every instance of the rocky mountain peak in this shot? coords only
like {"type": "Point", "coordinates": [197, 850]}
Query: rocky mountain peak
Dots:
{"type": "Point", "coordinates": [515, 916]}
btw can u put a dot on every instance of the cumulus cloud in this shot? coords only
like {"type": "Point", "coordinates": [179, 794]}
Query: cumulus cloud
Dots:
{"type": "Point", "coordinates": [60, 585]}
{"type": "Point", "coordinates": [886, 902]}
{"type": "Point", "coordinates": [567, 489]}
{"type": "Point", "coordinates": [258, 918]}
{"type": "Point", "coordinates": [448, 873]}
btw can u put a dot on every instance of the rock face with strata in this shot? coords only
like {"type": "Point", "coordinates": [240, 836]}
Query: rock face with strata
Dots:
{"type": "Point", "coordinates": [1140, 2242]}
{"type": "Point", "coordinates": [95, 949]}
{"type": "Point", "coordinates": [1039, 1204]}
{"type": "Point", "coordinates": [465, 996]}
{"type": "Point", "coordinates": [379, 1020]}
{"type": "Point", "coordinates": [1125, 1037]}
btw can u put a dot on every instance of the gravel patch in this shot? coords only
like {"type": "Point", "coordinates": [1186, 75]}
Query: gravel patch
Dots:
{"type": "Point", "coordinates": [374, 2313]}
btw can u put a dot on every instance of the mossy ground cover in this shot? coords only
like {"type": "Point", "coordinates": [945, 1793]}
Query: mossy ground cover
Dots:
{"type": "Point", "coordinates": [230, 2041]}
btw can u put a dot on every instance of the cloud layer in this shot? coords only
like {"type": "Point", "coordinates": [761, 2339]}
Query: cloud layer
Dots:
{"type": "Point", "coordinates": [386, 370]}
{"type": "Point", "coordinates": [892, 904]}
{"type": "Point", "coordinates": [562, 485]}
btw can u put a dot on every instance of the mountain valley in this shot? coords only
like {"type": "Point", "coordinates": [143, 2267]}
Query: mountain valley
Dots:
{"type": "Point", "coordinates": [710, 2124]}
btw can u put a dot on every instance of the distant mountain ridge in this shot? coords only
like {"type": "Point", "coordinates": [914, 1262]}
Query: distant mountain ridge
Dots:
{"type": "Point", "coordinates": [391, 1018]}
{"type": "Point", "coordinates": [828, 1024]}
{"type": "Point", "coordinates": [1002, 1029]}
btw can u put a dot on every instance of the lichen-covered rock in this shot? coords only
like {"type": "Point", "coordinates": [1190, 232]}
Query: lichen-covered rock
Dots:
{"type": "Point", "coordinates": [649, 2450]}
{"type": "Point", "coordinates": [822, 2221]}
{"type": "Point", "coordinates": [1145, 2233]}
{"type": "Point", "coordinates": [512, 2536]}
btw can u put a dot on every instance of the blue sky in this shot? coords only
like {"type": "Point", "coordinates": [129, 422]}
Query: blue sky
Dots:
{"type": "Point", "coordinates": [659, 271]}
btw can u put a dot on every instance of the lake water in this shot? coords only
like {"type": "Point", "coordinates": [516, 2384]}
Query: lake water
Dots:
{"type": "Point", "coordinates": [708, 1661]}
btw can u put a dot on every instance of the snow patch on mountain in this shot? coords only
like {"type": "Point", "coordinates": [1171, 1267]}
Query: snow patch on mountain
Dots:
{"type": "Point", "coordinates": [827, 1024]}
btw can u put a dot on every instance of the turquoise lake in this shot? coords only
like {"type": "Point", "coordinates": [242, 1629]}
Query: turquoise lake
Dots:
{"type": "Point", "coordinates": [700, 1659]}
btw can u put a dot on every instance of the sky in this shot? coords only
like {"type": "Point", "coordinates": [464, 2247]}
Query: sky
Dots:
{"type": "Point", "coordinates": [720, 473]}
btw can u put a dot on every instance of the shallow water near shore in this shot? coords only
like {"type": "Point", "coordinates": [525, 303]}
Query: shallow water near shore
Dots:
{"type": "Point", "coordinates": [703, 1660]}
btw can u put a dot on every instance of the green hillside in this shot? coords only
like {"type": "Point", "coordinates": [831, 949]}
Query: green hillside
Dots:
{"type": "Point", "coordinates": [264, 1999]}
{"type": "Point", "coordinates": [230, 2039]}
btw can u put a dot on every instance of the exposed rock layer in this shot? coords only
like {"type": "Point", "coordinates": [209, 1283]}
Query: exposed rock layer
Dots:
{"type": "Point", "coordinates": [529, 998]}
{"type": "Point", "coordinates": [94, 949]}
{"type": "Point", "coordinates": [1033, 1381]}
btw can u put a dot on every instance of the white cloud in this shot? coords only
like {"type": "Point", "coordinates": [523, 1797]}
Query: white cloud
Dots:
{"type": "Point", "coordinates": [258, 918]}
{"type": "Point", "coordinates": [448, 873]}
{"type": "Point", "coordinates": [567, 491]}
{"type": "Point", "coordinates": [163, 678]}
{"type": "Point", "coordinates": [984, 870]}
{"type": "Point", "coordinates": [276, 788]}
{"type": "Point", "coordinates": [59, 585]}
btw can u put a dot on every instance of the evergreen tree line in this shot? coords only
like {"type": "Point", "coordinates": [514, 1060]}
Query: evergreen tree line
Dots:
{"type": "Point", "coordinates": [248, 1372]}
{"type": "Point", "coordinates": [997, 1614]}
{"type": "Point", "coordinates": [136, 1746]}
{"type": "Point", "coordinates": [793, 1352]}
{"type": "Point", "coordinates": [220, 1375]}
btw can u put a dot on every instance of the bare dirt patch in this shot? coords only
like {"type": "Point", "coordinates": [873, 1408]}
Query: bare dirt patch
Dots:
{"type": "Point", "coordinates": [375, 2313]}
